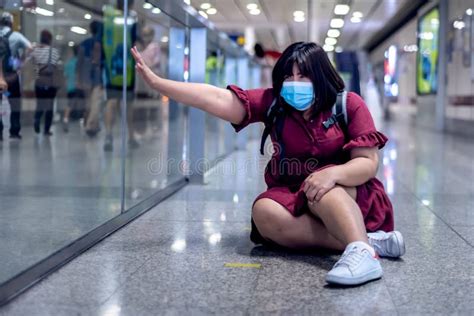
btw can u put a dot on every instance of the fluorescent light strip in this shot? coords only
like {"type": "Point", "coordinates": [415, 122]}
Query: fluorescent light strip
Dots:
{"type": "Point", "coordinates": [44, 12]}
{"type": "Point", "coordinates": [341, 9]}
{"type": "Point", "coordinates": [78, 30]}
{"type": "Point", "coordinates": [299, 18]}
{"type": "Point", "coordinates": [330, 41]}
{"type": "Point", "coordinates": [337, 23]}
{"type": "Point", "coordinates": [252, 6]}
{"type": "Point", "coordinates": [206, 6]}
{"type": "Point", "coordinates": [211, 11]}
{"type": "Point", "coordinates": [254, 11]}
{"type": "Point", "coordinates": [334, 33]}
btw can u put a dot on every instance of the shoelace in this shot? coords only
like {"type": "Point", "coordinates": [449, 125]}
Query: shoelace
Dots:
{"type": "Point", "coordinates": [350, 258]}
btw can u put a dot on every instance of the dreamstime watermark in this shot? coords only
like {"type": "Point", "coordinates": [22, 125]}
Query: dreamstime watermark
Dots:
{"type": "Point", "coordinates": [254, 164]}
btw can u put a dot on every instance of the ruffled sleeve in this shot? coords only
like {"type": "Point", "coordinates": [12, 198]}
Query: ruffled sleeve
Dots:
{"type": "Point", "coordinates": [374, 139]}
{"type": "Point", "coordinates": [255, 102]}
{"type": "Point", "coordinates": [360, 127]}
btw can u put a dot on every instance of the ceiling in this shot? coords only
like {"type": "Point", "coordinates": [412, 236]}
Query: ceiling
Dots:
{"type": "Point", "coordinates": [276, 29]}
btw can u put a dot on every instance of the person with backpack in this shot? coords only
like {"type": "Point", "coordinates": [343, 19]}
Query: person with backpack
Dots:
{"type": "Point", "coordinates": [48, 80]}
{"type": "Point", "coordinates": [322, 191]}
{"type": "Point", "coordinates": [14, 47]}
{"type": "Point", "coordinates": [112, 45]}
{"type": "Point", "coordinates": [89, 73]}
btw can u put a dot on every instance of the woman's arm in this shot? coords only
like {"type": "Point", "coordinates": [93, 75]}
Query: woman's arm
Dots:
{"type": "Point", "coordinates": [361, 168]}
{"type": "Point", "coordinates": [216, 101]}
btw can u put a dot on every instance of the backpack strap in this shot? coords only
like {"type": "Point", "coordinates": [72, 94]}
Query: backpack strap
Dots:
{"type": "Point", "coordinates": [339, 112]}
{"type": "Point", "coordinates": [269, 122]}
{"type": "Point", "coordinates": [7, 34]}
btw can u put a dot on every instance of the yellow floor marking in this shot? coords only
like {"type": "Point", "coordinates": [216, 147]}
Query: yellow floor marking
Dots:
{"type": "Point", "coordinates": [242, 265]}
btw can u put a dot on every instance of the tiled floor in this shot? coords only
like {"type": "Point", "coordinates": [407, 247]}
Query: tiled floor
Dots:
{"type": "Point", "coordinates": [172, 260]}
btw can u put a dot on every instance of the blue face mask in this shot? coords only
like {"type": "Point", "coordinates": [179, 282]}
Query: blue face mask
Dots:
{"type": "Point", "coordinates": [298, 94]}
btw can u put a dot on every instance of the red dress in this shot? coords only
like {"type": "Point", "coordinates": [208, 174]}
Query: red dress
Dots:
{"type": "Point", "coordinates": [310, 147]}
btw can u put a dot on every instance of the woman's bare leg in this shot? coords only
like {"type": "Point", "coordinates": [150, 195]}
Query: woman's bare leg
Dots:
{"type": "Point", "coordinates": [341, 215]}
{"type": "Point", "coordinates": [275, 223]}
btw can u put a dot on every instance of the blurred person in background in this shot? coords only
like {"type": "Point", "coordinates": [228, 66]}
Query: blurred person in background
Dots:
{"type": "Point", "coordinates": [89, 73]}
{"type": "Point", "coordinates": [47, 62]}
{"type": "Point", "coordinates": [14, 46]}
{"type": "Point", "coordinates": [112, 43]}
{"type": "Point", "coordinates": [75, 96]}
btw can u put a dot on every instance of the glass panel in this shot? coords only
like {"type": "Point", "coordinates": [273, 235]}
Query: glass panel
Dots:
{"type": "Point", "coordinates": [57, 182]}
{"type": "Point", "coordinates": [213, 67]}
{"type": "Point", "coordinates": [460, 59]}
{"type": "Point", "coordinates": [156, 125]}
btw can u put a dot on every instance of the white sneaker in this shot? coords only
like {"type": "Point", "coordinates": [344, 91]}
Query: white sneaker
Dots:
{"type": "Point", "coordinates": [356, 266]}
{"type": "Point", "coordinates": [387, 244]}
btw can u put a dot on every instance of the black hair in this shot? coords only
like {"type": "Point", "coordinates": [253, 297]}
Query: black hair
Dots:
{"type": "Point", "coordinates": [6, 19]}
{"type": "Point", "coordinates": [259, 51]}
{"type": "Point", "coordinates": [46, 37]}
{"type": "Point", "coordinates": [312, 62]}
{"type": "Point", "coordinates": [95, 27]}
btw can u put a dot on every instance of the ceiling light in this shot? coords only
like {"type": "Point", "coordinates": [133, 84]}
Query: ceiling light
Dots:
{"type": "Point", "coordinates": [44, 11]}
{"type": "Point", "coordinates": [328, 48]}
{"type": "Point", "coordinates": [357, 14]}
{"type": "Point", "coordinates": [299, 19]}
{"type": "Point", "coordinates": [147, 6]}
{"type": "Point", "coordinates": [252, 6]}
{"type": "Point", "coordinates": [254, 11]}
{"type": "Point", "coordinates": [156, 11]}
{"type": "Point", "coordinates": [355, 19]}
{"type": "Point", "coordinates": [334, 33]}
{"type": "Point", "coordinates": [78, 30]}
{"type": "Point", "coordinates": [469, 11]}
{"type": "Point", "coordinates": [339, 49]}
{"type": "Point", "coordinates": [203, 14]}
{"type": "Point", "coordinates": [188, 2]}
{"type": "Point", "coordinates": [211, 11]}
{"type": "Point", "coordinates": [71, 44]}
{"type": "Point", "coordinates": [61, 10]}
{"type": "Point", "coordinates": [165, 39]}
{"type": "Point", "coordinates": [298, 13]}
{"type": "Point", "coordinates": [337, 23]}
{"type": "Point", "coordinates": [459, 25]}
{"type": "Point", "coordinates": [50, 2]}
{"type": "Point", "coordinates": [330, 41]}
{"type": "Point", "coordinates": [87, 16]}
{"type": "Point", "coordinates": [341, 9]}
{"type": "Point", "coordinates": [206, 6]}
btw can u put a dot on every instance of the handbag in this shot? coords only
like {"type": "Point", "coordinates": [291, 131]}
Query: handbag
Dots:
{"type": "Point", "coordinates": [49, 75]}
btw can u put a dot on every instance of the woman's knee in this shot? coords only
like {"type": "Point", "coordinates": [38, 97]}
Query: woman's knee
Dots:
{"type": "Point", "coordinates": [335, 195]}
{"type": "Point", "coordinates": [267, 218]}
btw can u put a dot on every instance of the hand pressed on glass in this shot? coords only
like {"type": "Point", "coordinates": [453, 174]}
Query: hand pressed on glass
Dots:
{"type": "Point", "coordinates": [147, 74]}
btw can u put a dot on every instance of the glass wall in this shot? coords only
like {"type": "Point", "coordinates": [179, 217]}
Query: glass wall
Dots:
{"type": "Point", "coordinates": [157, 125]}
{"type": "Point", "coordinates": [86, 145]}
{"type": "Point", "coordinates": [459, 111]}
{"type": "Point", "coordinates": [221, 70]}
{"type": "Point", "coordinates": [64, 171]}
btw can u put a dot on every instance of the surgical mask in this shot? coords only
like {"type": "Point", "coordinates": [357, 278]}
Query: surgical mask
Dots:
{"type": "Point", "coordinates": [298, 94]}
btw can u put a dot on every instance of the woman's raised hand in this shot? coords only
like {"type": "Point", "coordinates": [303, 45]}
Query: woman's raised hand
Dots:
{"type": "Point", "coordinates": [150, 78]}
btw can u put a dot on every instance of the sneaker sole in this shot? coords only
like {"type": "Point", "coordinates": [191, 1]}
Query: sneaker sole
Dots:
{"type": "Point", "coordinates": [371, 276]}
{"type": "Point", "coordinates": [400, 244]}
